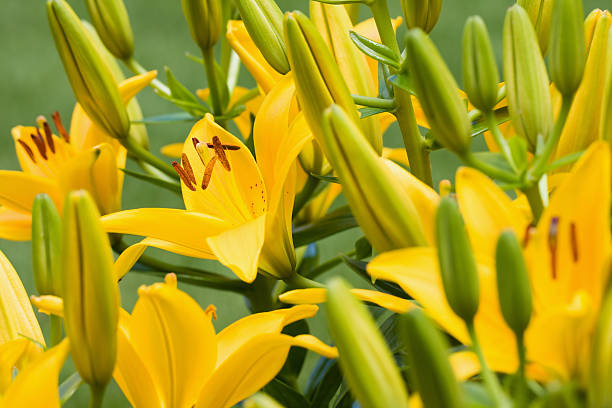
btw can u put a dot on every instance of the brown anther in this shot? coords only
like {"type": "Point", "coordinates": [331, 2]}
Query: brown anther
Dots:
{"type": "Point", "coordinates": [187, 168]}
{"type": "Point", "coordinates": [27, 149]}
{"type": "Point", "coordinates": [529, 231]}
{"type": "Point", "coordinates": [553, 231]}
{"type": "Point", "coordinates": [184, 178]}
{"type": "Point", "coordinates": [208, 172]}
{"type": "Point", "coordinates": [574, 241]}
{"type": "Point", "coordinates": [40, 144]}
{"type": "Point", "coordinates": [225, 147]}
{"type": "Point", "coordinates": [195, 141]}
{"type": "Point", "coordinates": [211, 310]}
{"type": "Point", "coordinates": [60, 126]}
{"type": "Point", "coordinates": [220, 153]}
{"type": "Point", "coordinates": [42, 122]}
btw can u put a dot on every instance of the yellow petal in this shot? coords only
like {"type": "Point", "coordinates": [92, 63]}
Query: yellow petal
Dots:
{"type": "Point", "coordinates": [29, 164]}
{"type": "Point", "coordinates": [15, 354]}
{"type": "Point", "coordinates": [18, 189]}
{"type": "Point", "coordinates": [37, 384]}
{"type": "Point", "coordinates": [49, 304]}
{"type": "Point", "coordinates": [398, 155]}
{"type": "Point", "coordinates": [240, 41]}
{"type": "Point", "coordinates": [173, 150]}
{"type": "Point", "coordinates": [318, 206]}
{"type": "Point", "coordinates": [15, 225]}
{"type": "Point", "coordinates": [127, 259]}
{"type": "Point", "coordinates": [16, 315]}
{"type": "Point", "coordinates": [130, 87]}
{"type": "Point", "coordinates": [319, 295]}
{"type": "Point", "coordinates": [175, 338]}
{"type": "Point", "coordinates": [487, 210]}
{"type": "Point", "coordinates": [465, 364]}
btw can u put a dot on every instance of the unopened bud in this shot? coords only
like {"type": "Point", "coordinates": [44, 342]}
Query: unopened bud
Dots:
{"type": "Point", "coordinates": [527, 82]}
{"type": "Point", "coordinates": [204, 20]}
{"type": "Point", "coordinates": [480, 76]}
{"type": "Point", "coordinates": [110, 18]}
{"type": "Point", "coordinates": [437, 92]}
{"type": "Point", "coordinates": [46, 246]}
{"type": "Point", "coordinates": [457, 264]}
{"type": "Point", "coordinates": [375, 382]}
{"type": "Point", "coordinates": [513, 283]}
{"type": "Point", "coordinates": [91, 80]}
{"type": "Point", "coordinates": [421, 14]}
{"type": "Point", "coordinates": [261, 400]}
{"type": "Point", "coordinates": [540, 15]}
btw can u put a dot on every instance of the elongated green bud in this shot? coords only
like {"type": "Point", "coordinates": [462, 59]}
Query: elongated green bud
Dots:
{"type": "Point", "coordinates": [427, 357]}
{"type": "Point", "coordinates": [480, 76]}
{"type": "Point", "coordinates": [46, 246]}
{"type": "Point", "coordinates": [513, 283]}
{"type": "Point", "coordinates": [382, 208]}
{"type": "Point", "coordinates": [365, 359]}
{"type": "Point", "coordinates": [263, 20]}
{"type": "Point", "coordinates": [526, 78]}
{"type": "Point", "coordinates": [421, 14]}
{"type": "Point", "coordinates": [261, 400]}
{"type": "Point", "coordinates": [91, 296]}
{"type": "Point", "coordinates": [437, 91]}
{"type": "Point", "coordinates": [457, 263]}
{"type": "Point", "coordinates": [601, 355]}
{"type": "Point", "coordinates": [91, 80]}
{"type": "Point", "coordinates": [204, 19]}
{"type": "Point", "coordinates": [318, 80]}
{"type": "Point", "coordinates": [567, 46]}
{"type": "Point", "coordinates": [110, 18]}
{"type": "Point", "coordinates": [540, 15]}
{"type": "Point", "coordinates": [606, 124]}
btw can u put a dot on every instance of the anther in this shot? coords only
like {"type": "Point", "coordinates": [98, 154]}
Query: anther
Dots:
{"type": "Point", "coordinates": [553, 231]}
{"type": "Point", "coordinates": [220, 153]}
{"type": "Point", "coordinates": [211, 310]}
{"type": "Point", "coordinates": [574, 241]}
{"type": "Point", "coordinates": [187, 168]}
{"type": "Point", "coordinates": [60, 126]}
{"type": "Point", "coordinates": [183, 176]}
{"type": "Point", "coordinates": [42, 122]}
{"type": "Point", "coordinates": [225, 147]}
{"type": "Point", "coordinates": [40, 144]}
{"type": "Point", "coordinates": [208, 172]}
{"type": "Point", "coordinates": [27, 149]}
{"type": "Point", "coordinates": [529, 231]}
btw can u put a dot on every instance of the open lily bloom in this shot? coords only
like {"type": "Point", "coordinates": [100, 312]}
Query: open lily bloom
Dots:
{"type": "Point", "coordinates": [86, 158]}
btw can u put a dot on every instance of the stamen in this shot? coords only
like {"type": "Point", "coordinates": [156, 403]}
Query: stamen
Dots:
{"type": "Point", "coordinates": [60, 127]}
{"type": "Point", "coordinates": [183, 176]}
{"type": "Point", "coordinates": [208, 172]}
{"type": "Point", "coordinates": [187, 167]}
{"type": "Point", "coordinates": [574, 241]}
{"type": "Point", "coordinates": [225, 147]}
{"type": "Point", "coordinates": [553, 231]}
{"type": "Point", "coordinates": [211, 310]}
{"type": "Point", "coordinates": [40, 144]}
{"type": "Point", "coordinates": [42, 122]}
{"type": "Point", "coordinates": [529, 231]}
{"type": "Point", "coordinates": [27, 149]}
{"type": "Point", "coordinates": [220, 153]}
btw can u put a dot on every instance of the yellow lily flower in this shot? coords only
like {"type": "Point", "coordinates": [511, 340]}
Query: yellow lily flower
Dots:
{"type": "Point", "coordinates": [232, 203]}
{"type": "Point", "coordinates": [565, 254]}
{"type": "Point", "coordinates": [86, 158]}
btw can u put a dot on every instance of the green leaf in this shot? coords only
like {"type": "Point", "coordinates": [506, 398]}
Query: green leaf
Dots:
{"type": "Point", "coordinates": [384, 286]}
{"type": "Point", "coordinates": [385, 91]}
{"type": "Point", "coordinates": [168, 185]}
{"type": "Point", "coordinates": [367, 112]}
{"type": "Point", "coordinates": [476, 395]}
{"type": "Point", "coordinates": [501, 115]}
{"type": "Point", "coordinates": [286, 395]}
{"type": "Point", "coordinates": [518, 149]}
{"type": "Point", "coordinates": [496, 160]}
{"type": "Point", "coordinates": [309, 260]}
{"type": "Point", "coordinates": [181, 93]}
{"type": "Point", "coordinates": [402, 81]}
{"type": "Point", "coordinates": [563, 161]}
{"type": "Point", "coordinates": [323, 383]}
{"type": "Point", "coordinates": [69, 387]}
{"type": "Point", "coordinates": [297, 355]}
{"type": "Point", "coordinates": [336, 221]}
{"type": "Point", "coordinates": [168, 118]}
{"type": "Point", "coordinates": [329, 179]}
{"type": "Point", "coordinates": [195, 58]}
{"type": "Point", "coordinates": [377, 51]}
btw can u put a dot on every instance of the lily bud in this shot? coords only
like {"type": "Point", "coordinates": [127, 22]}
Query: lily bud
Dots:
{"type": "Point", "coordinates": [606, 125]}
{"type": "Point", "coordinates": [601, 355]}
{"type": "Point", "coordinates": [382, 208]}
{"type": "Point", "coordinates": [110, 18]}
{"type": "Point", "coordinates": [263, 20]}
{"type": "Point", "coordinates": [91, 80]}
{"type": "Point", "coordinates": [457, 263]}
{"type": "Point", "coordinates": [540, 15]}
{"type": "Point", "coordinates": [89, 290]}
{"type": "Point", "coordinates": [527, 82]}
{"type": "Point", "coordinates": [204, 19]}
{"type": "Point", "coordinates": [46, 246]}
{"type": "Point", "coordinates": [567, 49]}
{"type": "Point", "coordinates": [421, 14]}
{"type": "Point", "coordinates": [365, 359]}
{"type": "Point", "coordinates": [318, 80]}
{"type": "Point", "coordinates": [261, 400]}
{"type": "Point", "coordinates": [427, 357]}
{"type": "Point", "coordinates": [437, 91]}
{"type": "Point", "coordinates": [480, 76]}
{"type": "Point", "coordinates": [513, 283]}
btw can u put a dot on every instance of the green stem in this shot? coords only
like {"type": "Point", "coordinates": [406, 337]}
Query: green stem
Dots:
{"type": "Point", "coordinates": [327, 265]}
{"type": "Point", "coordinates": [260, 295]}
{"type": "Point", "coordinates": [138, 69]}
{"type": "Point", "coordinates": [211, 77]}
{"type": "Point", "coordinates": [96, 396]}
{"type": "Point", "coordinates": [490, 381]}
{"type": "Point", "coordinates": [380, 12]}
{"type": "Point", "coordinates": [373, 102]}
{"type": "Point", "coordinates": [297, 281]}
{"type": "Point", "coordinates": [536, 202]}
{"type": "Point", "coordinates": [302, 198]}
{"type": "Point", "coordinates": [500, 140]}
{"type": "Point", "coordinates": [138, 151]}
{"type": "Point", "coordinates": [521, 393]}
{"type": "Point", "coordinates": [55, 330]}
{"type": "Point", "coordinates": [492, 171]}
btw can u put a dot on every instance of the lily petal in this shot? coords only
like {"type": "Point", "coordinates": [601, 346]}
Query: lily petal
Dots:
{"type": "Point", "coordinates": [15, 225]}
{"type": "Point", "coordinates": [18, 189]}
{"type": "Point", "coordinates": [173, 150]}
{"type": "Point", "coordinates": [15, 354]}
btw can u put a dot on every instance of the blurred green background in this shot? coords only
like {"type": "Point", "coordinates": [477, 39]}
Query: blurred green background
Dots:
{"type": "Point", "coordinates": [33, 83]}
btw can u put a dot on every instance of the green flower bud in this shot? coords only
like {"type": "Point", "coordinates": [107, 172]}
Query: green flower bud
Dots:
{"type": "Point", "coordinates": [365, 359]}
{"type": "Point", "coordinates": [601, 355]}
{"type": "Point", "coordinates": [318, 80]}
{"type": "Point", "coordinates": [91, 80]}
{"type": "Point", "coordinates": [567, 48]}
{"type": "Point", "coordinates": [540, 15]}
{"type": "Point", "coordinates": [606, 124]}
{"type": "Point", "coordinates": [527, 82]}
{"type": "Point", "coordinates": [46, 246]}
{"type": "Point", "coordinates": [204, 19]}
{"type": "Point", "coordinates": [261, 400]}
{"type": "Point", "coordinates": [480, 76]}
{"type": "Point", "coordinates": [427, 357]}
{"type": "Point", "coordinates": [382, 208]}
{"type": "Point", "coordinates": [513, 285]}
{"type": "Point", "coordinates": [457, 263]}
{"type": "Point", "coordinates": [263, 20]}
{"type": "Point", "coordinates": [89, 290]}
{"type": "Point", "coordinates": [110, 18]}
{"type": "Point", "coordinates": [421, 14]}
{"type": "Point", "coordinates": [437, 91]}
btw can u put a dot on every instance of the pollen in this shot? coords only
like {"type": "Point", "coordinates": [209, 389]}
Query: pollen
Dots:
{"type": "Point", "coordinates": [220, 153]}
{"type": "Point", "coordinates": [27, 149]}
{"type": "Point", "coordinates": [60, 126]}
{"type": "Point", "coordinates": [574, 241]}
{"type": "Point", "coordinates": [211, 310]}
{"type": "Point", "coordinates": [187, 168]}
{"type": "Point", "coordinates": [183, 175]}
{"type": "Point", "coordinates": [42, 123]}
{"type": "Point", "coordinates": [40, 144]}
{"type": "Point", "coordinates": [553, 232]}
{"type": "Point", "coordinates": [208, 172]}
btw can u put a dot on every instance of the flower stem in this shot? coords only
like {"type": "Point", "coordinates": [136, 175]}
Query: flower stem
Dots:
{"type": "Point", "coordinates": [297, 281]}
{"type": "Point", "coordinates": [211, 77]}
{"type": "Point", "coordinates": [55, 330]}
{"type": "Point", "coordinates": [139, 152]}
{"type": "Point", "coordinates": [96, 396]}
{"type": "Point", "coordinates": [536, 202]}
{"type": "Point", "coordinates": [492, 171]}
{"type": "Point", "coordinates": [138, 69]}
{"type": "Point", "coordinates": [521, 393]}
{"type": "Point", "coordinates": [500, 140]}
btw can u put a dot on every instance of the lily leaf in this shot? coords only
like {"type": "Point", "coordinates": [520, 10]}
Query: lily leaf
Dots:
{"type": "Point", "coordinates": [360, 268]}
{"type": "Point", "coordinates": [563, 161]}
{"type": "Point", "coordinates": [69, 387]}
{"type": "Point", "coordinates": [496, 160]}
{"type": "Point", "coordinates": [323, 383]}
{"type": "Point", "coordinates": [366, 112]}
{"type": "Point", "coordinates": [375, 50]}
{"type": "Point", "coordinates": [181, 93]}
{"type": "Point", "coordinates": [336, 221]}
{"type": "Point", "coordinates": [285, 395]}
{"type": "Point", "coordinates": [402, 81]}
{"type": "Point", "coordinates": [329, 179]}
